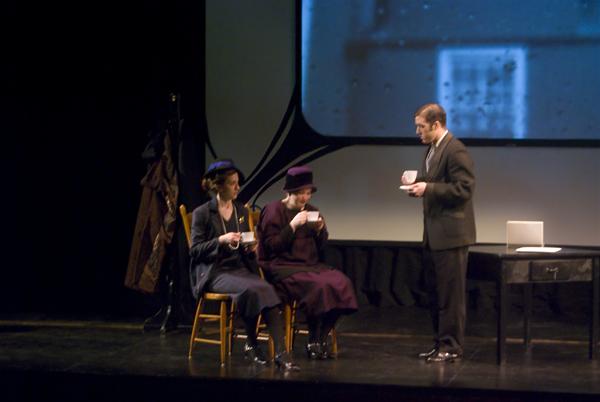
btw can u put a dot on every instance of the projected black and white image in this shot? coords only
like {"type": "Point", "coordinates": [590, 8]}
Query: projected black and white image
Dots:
{"type": "Point", "coordinates": [504, 69]}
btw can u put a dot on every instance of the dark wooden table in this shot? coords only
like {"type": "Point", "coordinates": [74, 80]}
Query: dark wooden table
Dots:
{"type": "Point", "coordinates": [507, 267]}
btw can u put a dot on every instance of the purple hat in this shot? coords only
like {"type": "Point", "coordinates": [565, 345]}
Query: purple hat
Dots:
{"type": "Point", "coordinates": [298, 178]}
{"type": "Point", "coordinates": [220, 166]}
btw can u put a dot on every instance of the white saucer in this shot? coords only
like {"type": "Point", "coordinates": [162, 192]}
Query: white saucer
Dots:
{"type": "Point", "coordinates": [405, 187]}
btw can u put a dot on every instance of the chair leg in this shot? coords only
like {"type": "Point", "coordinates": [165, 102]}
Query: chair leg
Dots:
{"type": "Point", "coordinates": [271, 343]}
{"type": "Point", "coordinates": [287, 312]}
{"type": "Point", "coordinates": [334, 343]}
{"type": "Point", "coordinates": [271, 348]}
{"type": "Point", "coordinates": [223, 333]}
{"type": "Point", "coordinates": [258, 322]}
{"type": "Point", "coordinates": [195, 327]}
{"type": "Point", "coordinates": [230, 327]}
{"type": "Point", "coordinates": [293, 328]}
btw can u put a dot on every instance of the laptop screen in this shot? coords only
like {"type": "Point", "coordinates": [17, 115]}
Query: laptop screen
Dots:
{"type": "Point", "coordinates": [525, 233]}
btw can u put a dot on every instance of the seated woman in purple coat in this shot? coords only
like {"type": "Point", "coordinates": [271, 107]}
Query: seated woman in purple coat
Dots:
{"type": "Point", "coordinates": [220, 263]}
{"type": "Point", "coordinates": [289, 246]}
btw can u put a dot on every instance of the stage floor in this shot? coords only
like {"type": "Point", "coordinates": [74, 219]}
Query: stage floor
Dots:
{"type": "Point", "coordinates": [109, 361]}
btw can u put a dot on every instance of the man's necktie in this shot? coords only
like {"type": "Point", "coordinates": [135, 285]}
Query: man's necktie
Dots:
{"type": "Point", "coordinates": [428, 158]}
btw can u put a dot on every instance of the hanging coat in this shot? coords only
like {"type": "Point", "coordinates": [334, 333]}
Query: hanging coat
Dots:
{"type": "Point", "coordinates": [155, 225]}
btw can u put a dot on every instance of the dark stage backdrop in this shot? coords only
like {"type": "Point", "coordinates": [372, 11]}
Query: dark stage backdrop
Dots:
{"type": "Point", "coordinates": [87, 83]}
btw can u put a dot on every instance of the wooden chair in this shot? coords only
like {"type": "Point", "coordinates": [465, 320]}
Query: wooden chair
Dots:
{"type": "Point", "coordinates": [292, 328]}
{"type": "Point", "coordinates": [225, 315]}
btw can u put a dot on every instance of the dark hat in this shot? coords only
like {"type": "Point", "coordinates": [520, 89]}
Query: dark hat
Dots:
{"type": "Point", "coordinates": [298, 178]}
{"type": "Point", "coordinates": [221, 166]}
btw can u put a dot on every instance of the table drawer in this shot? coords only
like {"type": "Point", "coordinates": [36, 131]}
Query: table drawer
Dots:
{"type": "Point", "coordinates": [560, 270]}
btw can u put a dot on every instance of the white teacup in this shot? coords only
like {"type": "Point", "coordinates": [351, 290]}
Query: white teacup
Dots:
{"type": "Point", "coordinates": [312, 216]}
{"type": "Point", "coordinates": [410, 176]}
{"type": "Point", "coordinates": [247, 237]}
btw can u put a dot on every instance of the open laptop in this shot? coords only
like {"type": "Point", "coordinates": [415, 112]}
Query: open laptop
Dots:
{"type": "Point", "coordinates": [527, 236]}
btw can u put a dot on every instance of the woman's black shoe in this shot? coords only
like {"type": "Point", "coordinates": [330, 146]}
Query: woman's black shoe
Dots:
{"type": "Point", "coordinates": [326, 352]}
{"type": "Point", "coordinates": [284, 362]}
{"type": "Point", "coordinates": [430, 353]}
{"type": "Point", "coordinates": [254, 354]}
{"type": "Point", "coordinates": [314, 351]}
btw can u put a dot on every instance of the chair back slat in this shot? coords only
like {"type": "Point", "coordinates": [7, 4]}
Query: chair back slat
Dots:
{"type": "Point", "coordinates": [186, 218]}
{"type": "Point", "coordinates": [253, 217]}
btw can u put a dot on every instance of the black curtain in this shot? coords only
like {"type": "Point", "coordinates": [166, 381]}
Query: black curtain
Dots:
{"type": "Point", "coordinates": [86, 84]}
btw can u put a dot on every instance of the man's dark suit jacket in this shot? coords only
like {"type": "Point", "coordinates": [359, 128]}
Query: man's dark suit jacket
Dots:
{"type": "Point", "coordinates": [449, 221]}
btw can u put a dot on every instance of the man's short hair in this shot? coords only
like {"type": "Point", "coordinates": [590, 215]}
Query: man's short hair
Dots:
{"type": "Point", "coordinates": [432, 112]}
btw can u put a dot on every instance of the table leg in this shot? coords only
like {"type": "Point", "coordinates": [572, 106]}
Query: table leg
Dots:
{"type": "Point", "coordinates": [527, 306]}
{"type": "Point", "coordinates": [595, 308]}
{"type": "Point", "coordinates": [502, 318]}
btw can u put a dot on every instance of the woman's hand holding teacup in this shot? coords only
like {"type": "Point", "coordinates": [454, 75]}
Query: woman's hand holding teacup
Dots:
{"type": "Point", "coordinates": [299, 220]}
{"type": "Point", "coordinates": [231, 238]}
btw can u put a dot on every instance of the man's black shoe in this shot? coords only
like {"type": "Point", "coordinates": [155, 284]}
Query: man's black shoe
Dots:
{"type": "Point", "coordinates": [444, 357]}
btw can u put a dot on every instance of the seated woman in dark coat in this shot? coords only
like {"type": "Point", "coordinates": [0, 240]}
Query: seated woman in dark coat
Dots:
{"type": "Point", "coordinates": [289, 246]}
{"type": "Point", "coordinates": [220, 263]}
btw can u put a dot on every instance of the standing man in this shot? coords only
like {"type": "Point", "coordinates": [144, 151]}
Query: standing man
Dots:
{"type": "Point", "coordinates": [446, 184]}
